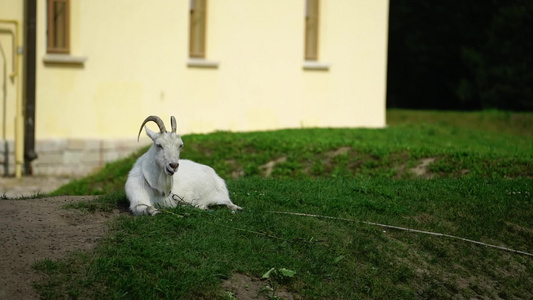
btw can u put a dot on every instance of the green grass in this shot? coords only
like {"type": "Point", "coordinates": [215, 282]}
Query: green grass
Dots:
{"type": "Point", "coordinates": [515, 123]}
{"type": "Point", "coordinates": [466, 149]}
{"type": "Point", "coordinates": [480, 189]}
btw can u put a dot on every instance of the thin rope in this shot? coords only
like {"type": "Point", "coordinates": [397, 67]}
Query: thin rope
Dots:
{"type": "Point", "coordinates": [404, 229]}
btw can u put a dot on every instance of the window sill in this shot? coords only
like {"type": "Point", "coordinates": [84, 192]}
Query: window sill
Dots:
{"type": "Point", "coordinates": [315, 65]}
{"type": "Point", "coordinates": [64, 59]}
{"type": "Point", "coordinates": [202, 63]}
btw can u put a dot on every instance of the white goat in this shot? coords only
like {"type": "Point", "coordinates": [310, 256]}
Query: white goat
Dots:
{"type": "Point", "coordinates": [156, 180]}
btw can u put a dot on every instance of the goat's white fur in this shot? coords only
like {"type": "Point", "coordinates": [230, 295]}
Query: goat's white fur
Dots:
{"type": "Point", "coordinates": [160, 178]}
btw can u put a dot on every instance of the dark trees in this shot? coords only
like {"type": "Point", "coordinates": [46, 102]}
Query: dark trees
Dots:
{"type": "Point", "coordinates": [458, 54]}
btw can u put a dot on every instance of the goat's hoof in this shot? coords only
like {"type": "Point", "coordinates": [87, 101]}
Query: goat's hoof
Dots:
{"type": "Point", "coordinates": [234, 207]}
{"type": "Point", "coordinates": [152, 210]}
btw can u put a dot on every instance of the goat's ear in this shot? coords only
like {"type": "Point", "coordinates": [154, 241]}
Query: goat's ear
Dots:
{"type": "Point", "coordinates": [153, 135]}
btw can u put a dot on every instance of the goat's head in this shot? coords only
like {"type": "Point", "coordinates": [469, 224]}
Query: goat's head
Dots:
{"type": "Point", "coordinates": [167, 145]}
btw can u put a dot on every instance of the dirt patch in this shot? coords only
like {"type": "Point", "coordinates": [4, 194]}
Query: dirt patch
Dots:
{"type": "Point", "coordinates": [36, 229]}
{"type": "Point", "coordinates": [29, 186]}
{"type": "Point", "coordinates": [269, 166]}
{"type": "Point", "coordinates": [340, 151]}
{"type": "Point", "coordinates": [238, 170]}
{"type": "Point", "coordinates": [243, 287]}
{"type": "Point", "coordinates": [422, 170]}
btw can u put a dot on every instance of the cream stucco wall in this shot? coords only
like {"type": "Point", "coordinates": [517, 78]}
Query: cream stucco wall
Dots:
{"type": "Point", "coordinates": [9, 10]}
{"type": "Point", "coordinates": [131, 60]}
{"type": "Point", "coordinates": [137, 57]}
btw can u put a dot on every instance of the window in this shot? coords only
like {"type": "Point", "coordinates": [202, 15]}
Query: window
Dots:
{"type": "Point", "coordinates": [58, 26]}
{"type": "Point", "coordinates": [197, 28]}
{"type": "Point", "coordinates": [311, 30]}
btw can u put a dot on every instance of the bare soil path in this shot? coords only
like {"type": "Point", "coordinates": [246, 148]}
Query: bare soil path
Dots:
{"type": "Point", "coordinates": [28, 186]}
{"type": "Point", "coordinates": [35, 229]}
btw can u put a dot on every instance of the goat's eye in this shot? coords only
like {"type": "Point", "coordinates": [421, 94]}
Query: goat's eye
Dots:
{"type": "Point", "coordinates": [159, 146]}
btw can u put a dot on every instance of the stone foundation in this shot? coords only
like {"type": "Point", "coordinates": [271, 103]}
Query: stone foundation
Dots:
{"type": "Point", "coordinates": [69, 157]}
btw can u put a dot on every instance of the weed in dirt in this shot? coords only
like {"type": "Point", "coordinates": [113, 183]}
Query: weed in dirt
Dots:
{"type": "Point", "coordinates": [105, 203]}
{"type": "Point", "coordinates": [35, 195]}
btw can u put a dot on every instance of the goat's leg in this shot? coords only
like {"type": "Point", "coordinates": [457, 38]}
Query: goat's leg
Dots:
{"type": "Point", "coordinates": [143, 209]}
{"type": "Point", "coordinates": [232, 206]}
{"type": "Point", "coordinates": [140, 203]}
{"type": "Point", "coordinates": [227, 202]}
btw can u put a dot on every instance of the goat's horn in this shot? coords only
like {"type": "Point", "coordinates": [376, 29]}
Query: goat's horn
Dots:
{"type": "Point", "coordinates": [155, 119]}
{"type": "Point", "coordinates": [173, 123]}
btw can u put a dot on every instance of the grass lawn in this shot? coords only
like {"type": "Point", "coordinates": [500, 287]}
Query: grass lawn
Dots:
{"type": "Point", "coordinates": [467, 175]}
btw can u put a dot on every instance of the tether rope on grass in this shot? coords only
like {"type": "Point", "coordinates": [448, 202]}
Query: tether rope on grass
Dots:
{"type": "Point", "coordinates": [404, 229]}
{"type": "Point", "coordinates": [358, 221]}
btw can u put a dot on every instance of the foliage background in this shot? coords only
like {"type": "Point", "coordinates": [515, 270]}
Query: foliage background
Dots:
{"type": "Point", "coordinates": [456, 54]}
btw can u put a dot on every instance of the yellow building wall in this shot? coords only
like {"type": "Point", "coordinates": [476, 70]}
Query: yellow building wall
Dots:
{"type": "Point", "coordinates": [129, 59]}
{"type": "Point", "coordinates": [136, 65]}
{"type": "Point", "coordinates": [9, 10]}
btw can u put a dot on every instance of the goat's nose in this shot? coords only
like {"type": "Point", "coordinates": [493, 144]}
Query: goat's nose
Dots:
{"type": "Point", "coordinates": [174, 165]}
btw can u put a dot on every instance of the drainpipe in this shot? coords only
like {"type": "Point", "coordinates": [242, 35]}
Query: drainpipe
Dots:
{"type": "Point", "coordinates": [19, 120]}
{"type": "Point", "coordinates": [29, 86]}
{"type": "Point", "coordinates": [4, 106]}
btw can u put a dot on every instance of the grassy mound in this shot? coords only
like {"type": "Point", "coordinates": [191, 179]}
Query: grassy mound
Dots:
{"type": "Point", "coordinates": [434, 148]}
{"type": "Point", "coordinates": [462, 178]}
